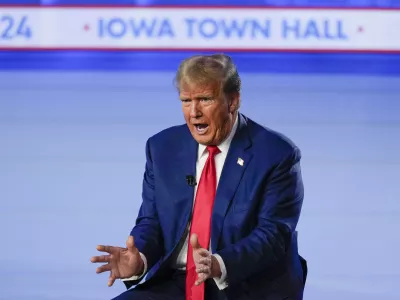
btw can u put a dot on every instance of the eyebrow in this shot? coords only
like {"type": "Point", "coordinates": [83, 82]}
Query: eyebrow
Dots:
{"type": "Point", "coordinates": [201, 96]}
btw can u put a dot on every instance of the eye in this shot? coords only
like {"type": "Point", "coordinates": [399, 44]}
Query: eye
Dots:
{"type": "Point", "coordinates": [206, 99]}
{"type": "Point", "coordinates": [185, 100]}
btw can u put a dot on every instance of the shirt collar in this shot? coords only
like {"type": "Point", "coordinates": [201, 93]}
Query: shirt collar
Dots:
{"type": "Point", "coordinates": [224, 146]}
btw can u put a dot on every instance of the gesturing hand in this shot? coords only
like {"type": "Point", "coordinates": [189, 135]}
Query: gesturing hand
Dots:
{"type": "Point", "coordinates": [207, 265]}
{"type": "Point", "coordinates": [122, 262]}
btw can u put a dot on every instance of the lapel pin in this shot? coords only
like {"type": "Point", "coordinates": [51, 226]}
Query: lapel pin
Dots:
{"type": "Point", "coordinates": [240, 161]}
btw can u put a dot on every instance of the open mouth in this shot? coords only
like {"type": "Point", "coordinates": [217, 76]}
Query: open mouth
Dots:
{"type": "Point", "coordinates": [201, 128]}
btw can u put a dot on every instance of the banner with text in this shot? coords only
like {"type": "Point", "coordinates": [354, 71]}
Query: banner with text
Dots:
{"type": "Point", "coordinates": [233, 29]}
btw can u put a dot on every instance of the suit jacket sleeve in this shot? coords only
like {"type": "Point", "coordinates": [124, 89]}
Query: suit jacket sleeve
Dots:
{"type": "Point", "coordinates": [147, 231]}
{"type": "Point", "coordinates": [279, 211]}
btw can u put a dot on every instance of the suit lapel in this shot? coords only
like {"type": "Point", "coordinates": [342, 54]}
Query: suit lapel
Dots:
{"type": "Point", "coordinates": [179, 162]}
{"type": "Point", "coordinates": [235, 164]}
{"type": "Point", "coordinates": [184, 165]}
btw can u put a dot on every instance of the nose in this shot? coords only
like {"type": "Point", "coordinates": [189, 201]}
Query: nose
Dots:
{"type": "Point", "coordinates": [194, 109]}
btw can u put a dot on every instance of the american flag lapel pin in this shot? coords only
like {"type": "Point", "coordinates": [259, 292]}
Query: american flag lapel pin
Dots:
{"type": "Point", "coordinates": [240, 161]}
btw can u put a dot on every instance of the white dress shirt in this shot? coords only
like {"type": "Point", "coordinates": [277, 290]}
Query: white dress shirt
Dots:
{"type": "Point", "coordinates": [181, 255]}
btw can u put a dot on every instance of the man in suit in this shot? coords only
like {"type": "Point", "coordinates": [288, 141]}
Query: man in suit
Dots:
{"type": "Point", "coordinates": [222, 196]}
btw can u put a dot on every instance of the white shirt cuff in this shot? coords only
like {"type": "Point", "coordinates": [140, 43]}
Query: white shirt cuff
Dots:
{"type": "Point", "coordinates": [137, 277]}
{"type": "Point", "coordinates": [221, 282]}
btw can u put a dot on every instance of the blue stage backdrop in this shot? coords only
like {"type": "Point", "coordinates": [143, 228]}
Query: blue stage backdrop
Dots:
{"type": "Point", "coordinates": [72, 160]}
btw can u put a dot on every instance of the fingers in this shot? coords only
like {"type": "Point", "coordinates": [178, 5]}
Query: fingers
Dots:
{"type": "Point", "coordinates": [108, 249]}
{"type": "Point", "coordinates": [206, 261]}
{"type": "Point", "coordinates": [130, 243]}
{"type": "Point", "coordinates": [201, 278]}
{"type": "Point", "coordinates": [101, 258]}
{"type": "Point", "coordinates": [203, 270]}
{"type": "Point", "coordinates": [203, 253]}
{"type": "Point", "coordinates": [203, 264]}
{"type": "Point", "coordinates": [111, 280]}
{"type": "Point", "coordinates": [103, 268]}
{"type": "Point", "coordinates": [194, 242]}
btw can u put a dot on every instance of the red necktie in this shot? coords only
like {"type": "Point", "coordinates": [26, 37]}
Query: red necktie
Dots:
{"type": "Point", "coordinates": [201, 221]}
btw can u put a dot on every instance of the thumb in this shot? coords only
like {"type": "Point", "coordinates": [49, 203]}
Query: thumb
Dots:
{"type": "Point", "coordinates": [194, 241]}
{"type": "Point", "coordinates": [130, 243]}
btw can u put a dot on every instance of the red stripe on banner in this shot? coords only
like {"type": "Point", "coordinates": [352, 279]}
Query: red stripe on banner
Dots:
{"type": "Point", "coordinates": [242, 50]}
{"type": "Point", "coordinates": [58, 6]}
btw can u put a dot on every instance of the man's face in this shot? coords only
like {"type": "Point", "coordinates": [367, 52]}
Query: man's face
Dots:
{"type": "Point", "coordinates": [208, 114]}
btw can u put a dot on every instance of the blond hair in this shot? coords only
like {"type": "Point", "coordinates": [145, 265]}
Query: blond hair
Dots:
{"type": "Point", "coordinates": [204, 69]}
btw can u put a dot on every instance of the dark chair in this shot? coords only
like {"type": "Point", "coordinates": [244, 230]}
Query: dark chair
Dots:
{"type": "Point", "coordinates": [305, 269]}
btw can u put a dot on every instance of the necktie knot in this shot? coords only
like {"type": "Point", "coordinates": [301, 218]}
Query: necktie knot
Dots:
{"type": "Point", "coordinates": [213, 150]}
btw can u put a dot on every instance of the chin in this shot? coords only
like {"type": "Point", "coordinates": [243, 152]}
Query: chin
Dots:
{"type": "Point", "coordinates": [201, 139]}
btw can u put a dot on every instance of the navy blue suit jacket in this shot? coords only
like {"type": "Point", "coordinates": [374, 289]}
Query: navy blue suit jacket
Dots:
{"type": "Point", "coordinates": [256, 209]}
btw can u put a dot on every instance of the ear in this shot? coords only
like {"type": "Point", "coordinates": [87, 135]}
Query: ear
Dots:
{"type": "Point", "coordinates": [234, 101]}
